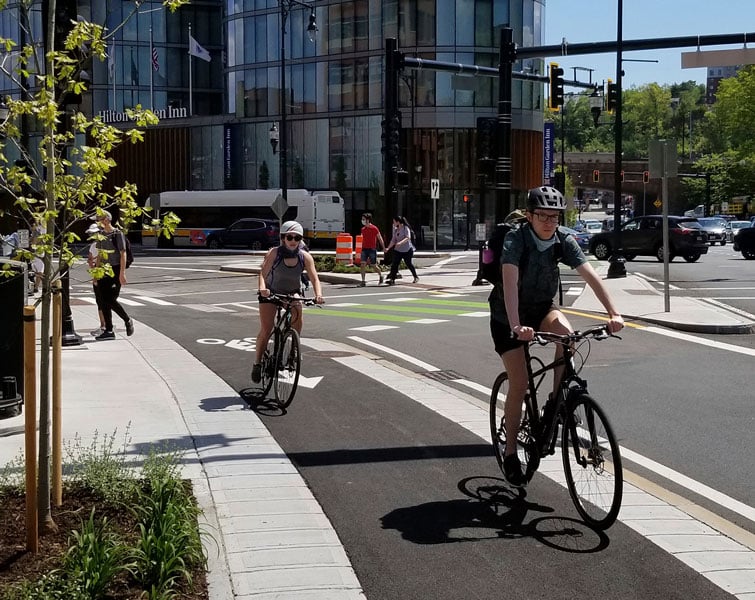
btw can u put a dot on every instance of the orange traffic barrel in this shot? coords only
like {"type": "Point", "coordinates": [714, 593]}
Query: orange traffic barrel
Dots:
{"type": "Point", "coordinates": [344, 249]}
{"type": "Point", "coordinates": [358, 251]}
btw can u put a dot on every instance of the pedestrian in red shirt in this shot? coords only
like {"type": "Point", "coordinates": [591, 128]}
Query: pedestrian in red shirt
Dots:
{"type": "Point", "coordinates": [370, 239]}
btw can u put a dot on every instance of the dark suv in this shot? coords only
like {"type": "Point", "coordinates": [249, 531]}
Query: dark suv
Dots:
{"type": "Point", "coordinates": [256, 234]}
{"type": "Point", "coordinates": [643, 236]}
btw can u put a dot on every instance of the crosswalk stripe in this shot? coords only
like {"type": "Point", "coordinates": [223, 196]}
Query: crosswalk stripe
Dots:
{"type": "Point", "coordinates": [128, 302]}
{"type": "Point", "coordinates": [157, 301]}
{"type": "Point", "coordinates": [208, 308]}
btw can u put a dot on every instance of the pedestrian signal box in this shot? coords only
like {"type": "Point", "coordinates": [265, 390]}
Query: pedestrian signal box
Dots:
{"type": "Point", "coordinates": [596, 176]}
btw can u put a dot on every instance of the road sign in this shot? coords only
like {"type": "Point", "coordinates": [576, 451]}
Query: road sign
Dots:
{"type": "Point", "coordinates": [481, 232]}
{"type": "Point", "coordinates": [658, 203]}
{"type": "Point", "coordinates": [435, 189]}
{"type": "Point", "coordinates": [280, 206]}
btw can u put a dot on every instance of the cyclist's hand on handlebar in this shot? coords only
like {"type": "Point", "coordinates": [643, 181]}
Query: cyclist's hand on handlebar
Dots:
{"type": "Point", "coordinates": [523, 333]}
{"type": "Point", "coordinates": [319, 299]}
{"type": "Point", "coordinates": [615, 324]}
{"type": "Point", "coordinates": [264, 293]}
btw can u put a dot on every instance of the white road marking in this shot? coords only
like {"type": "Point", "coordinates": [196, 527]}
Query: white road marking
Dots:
{"type": "Point", "coordinates": [702, 341]}
{"type": "Point", "coordinates": [344, 304]}
{"type": "Point", "coordinates": [155, 301]}
{"type": "Point", "coordinates": [427, 321]}
{"type": "Point", "coordinates": [209, 308]}
{"type": "Point", "coordinates": [410, 359]}
{"type": "Point", "coordinates": [128, 302]}
{"type": "Point", "coordinates": [370, 328]}
{"type": "Point", "coordinates": [476, 314]}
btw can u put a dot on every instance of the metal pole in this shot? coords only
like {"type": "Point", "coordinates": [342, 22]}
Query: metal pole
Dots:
{"type": "Point", "coordinates": [666, 292]}
{"type": "Point", "coordinates": [283, 107]}
{"type": "Point", "coordinates": [617, 268]}
{"type": "Point", "coordinates": [503, 160]}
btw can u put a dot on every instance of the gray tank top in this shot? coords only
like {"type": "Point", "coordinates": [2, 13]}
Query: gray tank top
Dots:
{"type": "Point", "coordinates": [283, 279]}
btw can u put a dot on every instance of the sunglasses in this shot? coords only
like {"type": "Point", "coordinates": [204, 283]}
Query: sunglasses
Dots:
{"type": "Point", "coordinates": [292, 238]}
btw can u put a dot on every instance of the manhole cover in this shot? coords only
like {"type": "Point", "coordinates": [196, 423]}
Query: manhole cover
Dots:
{"type": "Point", "coordinates": [442, 375]}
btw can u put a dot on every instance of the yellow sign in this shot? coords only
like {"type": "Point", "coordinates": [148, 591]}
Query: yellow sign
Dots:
{"type": "Point", "coordinates": [658, 203]}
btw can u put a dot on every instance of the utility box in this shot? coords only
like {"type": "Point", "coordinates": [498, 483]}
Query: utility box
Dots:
{"type": "Point", "coordinates": [12, 299]}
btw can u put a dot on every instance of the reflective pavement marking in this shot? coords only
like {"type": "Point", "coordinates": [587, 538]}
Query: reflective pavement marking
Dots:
{"type": "Point", "coordinates": [428, 321]}
{"type": "Point", "coordinates": [370, 328]}
{"type": "Point", "coordinates": [208, 308]}
{"type": "Point", "coordinates": [475, 314]}
{"type": "Point", "coordinates": [155, 301]}
{"type": "Point", "coordinates": [410, 359]}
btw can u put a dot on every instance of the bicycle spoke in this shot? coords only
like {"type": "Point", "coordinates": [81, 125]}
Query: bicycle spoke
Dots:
{"type": "Point", "coordinates": [288, 366]}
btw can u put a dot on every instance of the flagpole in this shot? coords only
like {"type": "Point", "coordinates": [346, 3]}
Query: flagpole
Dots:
{"type": "Point", "coordinates": [191, 100]}
{"type": "Point", "coordinates": [151, 73]}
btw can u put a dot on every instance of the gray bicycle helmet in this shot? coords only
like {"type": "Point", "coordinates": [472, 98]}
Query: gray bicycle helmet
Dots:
{"type": "Point", "coordinates": [545, 197]}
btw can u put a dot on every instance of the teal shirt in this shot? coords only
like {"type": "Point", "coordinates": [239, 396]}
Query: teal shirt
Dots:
{"type": "Point", "coordinates": [538, 272]}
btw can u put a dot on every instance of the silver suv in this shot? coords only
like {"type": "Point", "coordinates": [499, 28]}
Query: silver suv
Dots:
{"type": "Point", "coordinates": [715, 227]}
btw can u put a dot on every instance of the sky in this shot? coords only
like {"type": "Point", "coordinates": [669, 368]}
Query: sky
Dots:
{"type": "Point", "coordinates": [581, 21]}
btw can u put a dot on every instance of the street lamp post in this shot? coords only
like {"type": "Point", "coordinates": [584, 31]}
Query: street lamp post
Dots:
{"type": "Point", "coordinates": [285, 7]}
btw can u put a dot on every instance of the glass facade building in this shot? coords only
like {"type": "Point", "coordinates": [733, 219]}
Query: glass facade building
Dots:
{"type": "Point", "coordinates": [222, 111]}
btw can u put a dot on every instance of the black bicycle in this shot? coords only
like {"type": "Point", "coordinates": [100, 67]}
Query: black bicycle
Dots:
{"type": "Point", "coordinates": [590, 453]}
{"type": "Point", "coordinates": [281, 361]}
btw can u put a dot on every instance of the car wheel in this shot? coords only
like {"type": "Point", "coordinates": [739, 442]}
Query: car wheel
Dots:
{"type": "Point", "coordinates": [601, 250]}
{"type": "Point", "coordinates": [659, 254]}
{"type": "Point", "coordinates": [693, 257]}
{"type": "Point", "coordinates": [749, 254]}
{"type": "Point", "coordinates": [256, 245]}
{"type": "Point", "coordinates": [214, 244]}
{"type": "Point", "coordinates": [723, 242]}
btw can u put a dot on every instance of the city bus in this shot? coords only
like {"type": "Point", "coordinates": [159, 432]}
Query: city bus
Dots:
{"type": "Point", "coordinates": [321, 214]}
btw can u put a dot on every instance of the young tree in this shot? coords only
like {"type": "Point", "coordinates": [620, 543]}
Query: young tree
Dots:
{"type": "Point", "coordinates": [59, 183]}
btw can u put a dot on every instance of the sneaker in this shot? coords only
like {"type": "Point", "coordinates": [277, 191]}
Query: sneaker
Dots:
{"type": "Point", "coordinates": [257, 373]}
{"type": "Point", "coordinates": [130, 327]}
{"type": "Point", "coordinates": [381, 280]}
{"type": "Point", "coordinates": [96, 332]}
{"type": "Point", "coordinates": [105, 335]}
{"type": "Point", "coordinates": [416, 280]}
{"type": "Point", "coordinates": [512, 471]}
{"type": "Point", "coordinates": [362, 284]}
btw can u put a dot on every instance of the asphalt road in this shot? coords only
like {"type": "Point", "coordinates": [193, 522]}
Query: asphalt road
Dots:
{"type": "Point", "coordinates": [402, 484]}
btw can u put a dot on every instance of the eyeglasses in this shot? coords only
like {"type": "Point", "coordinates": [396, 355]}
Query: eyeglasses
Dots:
{"type": "Point", "coordinates": [543, 218]}
{"type": "Point", "coordinates": [292, 238]}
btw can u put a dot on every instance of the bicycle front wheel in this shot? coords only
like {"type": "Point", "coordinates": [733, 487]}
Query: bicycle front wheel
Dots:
{"type": "Point", "coordinates": [268, 366]}
{"type": "Point", "coordinates": [288, 367]}
{"type": "Point", "coordinates": [592, 463]}
{"type": "Point", "coordinates": [526, 446]}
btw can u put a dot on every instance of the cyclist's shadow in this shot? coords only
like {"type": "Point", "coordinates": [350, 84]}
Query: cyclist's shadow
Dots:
{"type": "Point", "coordinates": [492, 510]}
{"type": "Point", "coordinates": [260, 403]}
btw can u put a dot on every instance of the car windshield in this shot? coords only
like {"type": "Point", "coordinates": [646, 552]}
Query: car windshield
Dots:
{"type": "Point", "coordinates": [739, 224]}
{"type": "Point", "coordinates": [713, 222]}
{"type": "Point", "coordinates": [690, 224]}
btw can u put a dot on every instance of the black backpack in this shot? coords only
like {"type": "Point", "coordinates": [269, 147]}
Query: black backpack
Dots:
{"type": "Point", "coordinates": [129, 253]}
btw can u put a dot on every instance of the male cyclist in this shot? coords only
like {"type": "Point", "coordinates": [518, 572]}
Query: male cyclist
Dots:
{"type": "Point", "coordinates": [281, 273]}
{"type": "Point", "coordinates": [525, 304]}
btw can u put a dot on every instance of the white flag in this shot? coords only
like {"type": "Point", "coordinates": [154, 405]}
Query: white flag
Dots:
{"type": "Point", "coordinates": [196, 50]}
{"type": "Point", "coordinates": [111, 60]}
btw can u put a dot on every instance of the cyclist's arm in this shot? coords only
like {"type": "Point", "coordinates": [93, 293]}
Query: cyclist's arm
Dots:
{"type": "Point", "coordinates": [309, 266]}
{"type": "Point", "coordinates": [267, 264]}
{"type": "Point", "coordinates": [510, 274]}
{"type": "Point", "coordinates": [615, 321]}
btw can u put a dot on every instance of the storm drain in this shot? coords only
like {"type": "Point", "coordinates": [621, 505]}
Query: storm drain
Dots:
{"type": "Point", "coordinates": [442, 375]}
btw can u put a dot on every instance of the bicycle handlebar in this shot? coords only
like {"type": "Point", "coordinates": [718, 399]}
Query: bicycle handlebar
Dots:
{"type": "Point", "coordinates": [596, 332]}
{"type": "Point", "coordinates": [285, 299]}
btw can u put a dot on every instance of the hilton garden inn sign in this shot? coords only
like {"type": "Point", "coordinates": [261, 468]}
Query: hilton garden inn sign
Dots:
{"type": "Point", "coordinates": [111, 116]}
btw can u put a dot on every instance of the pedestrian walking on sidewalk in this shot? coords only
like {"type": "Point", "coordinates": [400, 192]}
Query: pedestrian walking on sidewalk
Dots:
{"type": "Point", "coordinates": [92, 262]}
{"type": "Point", "coordinates": [112, 250]}
{"type": "Point", "coordinates": [281, 273]}
{"type": "Point", "coordinates": [371, 239]}
{"type": "Point", "coordinates": [403, 248]}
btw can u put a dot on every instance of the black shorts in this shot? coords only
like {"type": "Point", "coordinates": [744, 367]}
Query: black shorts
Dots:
{"type": "Point", "coordinates": [501, 332]}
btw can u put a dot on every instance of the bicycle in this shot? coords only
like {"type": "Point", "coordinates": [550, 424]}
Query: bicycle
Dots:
{"type": "Point", "coordinates": [590, 452]}
{"type": "Point", "coordinates": [281, 361]}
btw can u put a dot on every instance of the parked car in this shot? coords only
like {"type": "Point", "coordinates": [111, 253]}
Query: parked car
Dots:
{"type": "Point", "coordinates": [256, 234]}
{"type": "Point", "coordinates": [735, 227]}
{"type": "Point", "coordinates": [582, 237]}
{"type": "Point", "coordinates": [715, 227]}
{"type": "Point", "coordinates": [744, 242]}
{"type": "Point", "coordinates": [643, 236]}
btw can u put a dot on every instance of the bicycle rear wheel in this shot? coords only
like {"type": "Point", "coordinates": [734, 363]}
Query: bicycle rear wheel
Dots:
{"type": "Point", "coordinates": [287, 369]}
{"type": "Point", "coordinates": [526, 446]}
{"type": "Point", "coordinates": [592, 462]}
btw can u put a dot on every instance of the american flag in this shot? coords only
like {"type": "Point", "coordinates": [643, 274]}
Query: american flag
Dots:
{"type": "Point", "coordinates": [155, 62]}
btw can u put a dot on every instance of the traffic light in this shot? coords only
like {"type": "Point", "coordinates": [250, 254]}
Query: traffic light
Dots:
{"type": "Point", "coordinates": [467, 198]}
{"type": "Point", "coordinates": [646, 177]}
{"type": "Point", "coordinates": [556, 98]}
{"type": "Point", "coordinates": [402, 178]}
{"type": "Point", "coordinates": [391, 138]}
{"type": "Point", "coordinates": [622, 176]}
{"type": "Point", "coordinates": [596, 176]}
{"type": "Point", "coordinates": [612, 97]}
